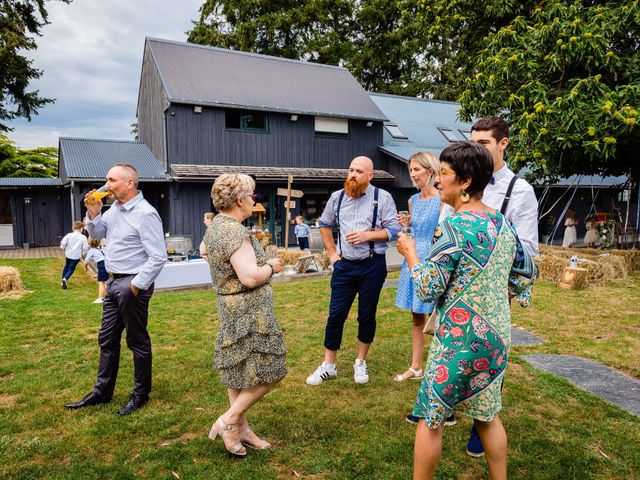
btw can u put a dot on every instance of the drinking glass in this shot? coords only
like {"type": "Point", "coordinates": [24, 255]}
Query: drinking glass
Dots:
{"type": "Point", "coordinates": [408, 231]}
{"type": "Point", "coordinates": [100, 193]}
{"type": "Point", "coordinates": [404, 220]}
{"type": "Point", "coordinates": [271, 251]}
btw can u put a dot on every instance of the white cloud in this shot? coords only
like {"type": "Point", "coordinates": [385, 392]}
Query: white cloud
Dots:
{"type": "Point", "coordinates": [91, 55]}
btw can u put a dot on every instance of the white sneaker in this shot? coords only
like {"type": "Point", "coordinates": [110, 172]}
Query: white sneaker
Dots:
{"type": "Point", "coordinates": [360, 374]}
{"type": "Point", "coordinates": [321, 374]}
{"type": "Point", "coordinates": [98, 300]}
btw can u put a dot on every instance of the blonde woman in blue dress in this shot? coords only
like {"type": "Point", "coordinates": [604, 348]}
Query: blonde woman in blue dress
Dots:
{"type": "Point", "coordinates": [424, 213]}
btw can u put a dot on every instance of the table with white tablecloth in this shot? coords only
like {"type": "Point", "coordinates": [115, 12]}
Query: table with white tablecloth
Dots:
{"type": "Point", "coordinates": [191, 273]}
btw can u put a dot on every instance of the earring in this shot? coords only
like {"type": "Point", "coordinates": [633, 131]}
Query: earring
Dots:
{"type": "Point", "coordinates": [464, 197]}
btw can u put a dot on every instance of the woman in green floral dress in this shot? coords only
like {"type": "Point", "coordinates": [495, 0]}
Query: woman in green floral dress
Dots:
{"type": "Point", "coordinates": [250, 351]}
{"type": "Point", "coordinates": [475, 266]}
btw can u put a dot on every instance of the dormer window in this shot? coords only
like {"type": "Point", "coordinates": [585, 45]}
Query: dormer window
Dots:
{"type": "Point", "coordinates": [249, 120]}
{"type": "Point", "coordinates": [395, 131]}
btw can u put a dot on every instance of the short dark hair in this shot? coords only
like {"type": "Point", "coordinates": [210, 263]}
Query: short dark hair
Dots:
{"type": "Point", "coordinates": [470, 161]}
{"type": "Point", "coordinates": [497, 126]}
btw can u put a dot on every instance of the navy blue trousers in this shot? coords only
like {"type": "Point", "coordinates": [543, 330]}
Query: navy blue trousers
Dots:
{"type": "Point", "coordinates": [69, 268]}
{"type": "Point", "coordinates": [364, 278]}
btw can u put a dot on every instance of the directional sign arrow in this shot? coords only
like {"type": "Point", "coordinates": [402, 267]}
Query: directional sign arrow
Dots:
{"type": "Point", "coordinates": [294, 193]}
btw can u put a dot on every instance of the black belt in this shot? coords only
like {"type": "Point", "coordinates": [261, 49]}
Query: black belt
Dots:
{"type": "Point", "coordinates": [121, 275]}
{"type": "Point", "coordinates": [362, 260]}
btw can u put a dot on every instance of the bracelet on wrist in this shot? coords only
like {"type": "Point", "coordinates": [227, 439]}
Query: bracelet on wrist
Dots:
{"type": "Point", "coordinates": [273, 270]}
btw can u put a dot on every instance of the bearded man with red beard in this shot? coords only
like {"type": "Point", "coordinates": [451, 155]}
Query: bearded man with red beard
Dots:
{"type": "Point", "coordinates": [366, 218]}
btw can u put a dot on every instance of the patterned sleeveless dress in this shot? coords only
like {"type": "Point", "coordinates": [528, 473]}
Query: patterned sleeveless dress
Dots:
{"type": "Point", "coordinates": [424, 220]}
{"type": "Point", "coordinates": [476, 262]}
{"type": "Point", "coordinates": [250, 346]}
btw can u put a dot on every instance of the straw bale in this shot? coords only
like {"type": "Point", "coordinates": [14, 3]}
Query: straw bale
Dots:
{"type": "Point", "coordinates": [11, 286]}
{"type": "Point", "coordinates": [323, 259]}
{"type": "Point", "coordinates": [289, 257]}
{"type": "Point", "coordinates": [601, 268]}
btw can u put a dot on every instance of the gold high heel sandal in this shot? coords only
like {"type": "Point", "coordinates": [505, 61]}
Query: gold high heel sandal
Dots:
{"type": "Point", "coordinates": [259, 445]}
{"type": "Point", "coordinates": [220, 428]}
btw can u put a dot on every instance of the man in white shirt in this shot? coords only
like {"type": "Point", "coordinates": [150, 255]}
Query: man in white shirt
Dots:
{"type": "Point", "coordinates": [510, 195]}
{"type": "Point", "coordinates": [522, 206]}
{"type": "Point", "coordinates": [134, 257]}
{"type": "Point", "coordinates": [74, 245]}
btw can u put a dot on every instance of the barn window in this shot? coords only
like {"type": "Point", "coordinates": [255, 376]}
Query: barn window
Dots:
{"type": "Point", "coordinates": [332, 127]}
{"type": "Point", "coordinates": [249, 120]}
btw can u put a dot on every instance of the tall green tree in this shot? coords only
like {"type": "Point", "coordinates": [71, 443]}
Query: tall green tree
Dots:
{"type": "Point", "coordinates": [38, 162]}
{"type": "Point", "coordinates": [567, 80]}
{"type": "Point", "coordinates": [20, 22]}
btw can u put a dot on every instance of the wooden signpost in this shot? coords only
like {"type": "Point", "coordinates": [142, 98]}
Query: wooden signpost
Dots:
{"type": "Point", "coordinates": [289, 204]}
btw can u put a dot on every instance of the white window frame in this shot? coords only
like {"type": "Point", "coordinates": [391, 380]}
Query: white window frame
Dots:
{"type": "Point", "coordinates": [332, 126]}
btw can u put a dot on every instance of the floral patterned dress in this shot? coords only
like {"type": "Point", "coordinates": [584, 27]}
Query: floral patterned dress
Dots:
{"type": "Point", "coordinates": [250, 346]}
{"type": "Point", "coordinates": [476, 262]}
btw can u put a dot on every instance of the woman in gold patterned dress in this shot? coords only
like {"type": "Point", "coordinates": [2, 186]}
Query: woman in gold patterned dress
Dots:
{"type": "Point", "coordinates": [250, 351]}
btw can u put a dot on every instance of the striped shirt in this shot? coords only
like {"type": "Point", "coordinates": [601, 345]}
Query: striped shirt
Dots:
{"type": "Point", "coordinates": [135, 241]}
{"type": "Point", "coordinates": [356, 215]}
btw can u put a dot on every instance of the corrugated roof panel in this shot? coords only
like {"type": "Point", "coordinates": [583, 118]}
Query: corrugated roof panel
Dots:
{"type": "Point", "coordinates": [198, 74]}
{"type": "Point", "coordinates": [420, 120]}
{"type": "Point", "coordinates": [92, 158]}
{"type": "Point", "coordinates": [265, 173]}
{"type": "Point", "coordinates": [30, 182]}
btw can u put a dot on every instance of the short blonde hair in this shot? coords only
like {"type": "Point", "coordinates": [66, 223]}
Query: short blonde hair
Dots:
{"type": "Point", "coordinates": [78, 225]}
{"type": "Point", "coordinates": [228, 187]}
{"type": "Point", "coordinates": [209, 215]}
{"type": "Point", "coordinates": [429, 161]}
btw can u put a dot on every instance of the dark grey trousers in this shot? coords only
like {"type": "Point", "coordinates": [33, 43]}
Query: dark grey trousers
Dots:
{"type": "Point", "coordinates": [121, 310]}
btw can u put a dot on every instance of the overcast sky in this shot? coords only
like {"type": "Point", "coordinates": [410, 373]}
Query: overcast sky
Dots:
{"type": "Point", "coordinates": [91, 54]}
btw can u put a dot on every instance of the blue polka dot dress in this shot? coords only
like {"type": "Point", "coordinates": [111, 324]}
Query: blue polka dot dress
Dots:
{"type": "Point", "coordinates": [424, 220]}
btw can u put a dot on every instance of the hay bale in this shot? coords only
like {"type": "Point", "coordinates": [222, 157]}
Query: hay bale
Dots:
{"type": "Point", "coordinates": [602, 268]}
{"type": "Point", "coordinates": [289, 257]}
{"type": "Point", "coordinates": [11, 286]}
{"type": "Point", "coordinates": [323, 259]}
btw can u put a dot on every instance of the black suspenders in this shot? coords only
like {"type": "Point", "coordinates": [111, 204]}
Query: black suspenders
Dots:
{"type": "Point", "coordinates": [507, 196]}
{"type": "Point", "coordinates": [373, 223]}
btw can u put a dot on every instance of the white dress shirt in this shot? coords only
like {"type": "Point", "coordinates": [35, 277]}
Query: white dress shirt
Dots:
{"type": "Point", "coordinates": [522, 210]}
{"type": "Point", "coordinates": [74, 244]}
{"type": "Point", "coordinates": [135, 240]}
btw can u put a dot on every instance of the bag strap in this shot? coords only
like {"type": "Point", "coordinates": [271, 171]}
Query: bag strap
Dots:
{"type": "Point", "coordinates": [507, 197]}
{"type": "Point", "coordinates": [374, 221]}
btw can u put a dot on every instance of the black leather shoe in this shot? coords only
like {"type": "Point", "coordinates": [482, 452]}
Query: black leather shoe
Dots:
{"type": "Point", "coordinates": [91, 399]}
{"type": "Point", "coordinates": [133, 404]}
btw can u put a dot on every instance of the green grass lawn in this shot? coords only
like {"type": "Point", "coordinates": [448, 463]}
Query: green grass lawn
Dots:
{"type": "Point", "coordinates": [49, 352]}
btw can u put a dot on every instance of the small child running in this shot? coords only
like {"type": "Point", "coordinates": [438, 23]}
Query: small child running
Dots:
{"type": "Point", "coordinates": [74, 245]}
{"type": "Point", "coordinates": [95, 254]}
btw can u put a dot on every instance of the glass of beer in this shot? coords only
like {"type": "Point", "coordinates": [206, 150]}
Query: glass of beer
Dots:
{"type": "Point", "coordinates": [100, 193]}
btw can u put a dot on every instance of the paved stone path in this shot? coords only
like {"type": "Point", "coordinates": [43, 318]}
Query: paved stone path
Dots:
{"type": "Point", "coordinates": [604, 382]}
{"type": "Point", "coordinates": [523, 338]}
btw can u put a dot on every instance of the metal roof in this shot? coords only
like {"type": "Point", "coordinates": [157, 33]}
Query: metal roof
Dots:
{"type": "Point", "coordinates": [13, 182]}
{"type": "Point", "coordinates": [210, 172]}
{"type": "Point", "coordinates": [197, 74]}
{"type": "Point", "coordinates": [91, 158]}
{"type": "Point", "coordinates": [420, 120]}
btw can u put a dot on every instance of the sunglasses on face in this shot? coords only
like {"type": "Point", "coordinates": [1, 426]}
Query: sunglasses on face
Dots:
{"type": "Point", "coordinates": [446, 171]}
{"type": "Point", "coordinates": [254, 196]}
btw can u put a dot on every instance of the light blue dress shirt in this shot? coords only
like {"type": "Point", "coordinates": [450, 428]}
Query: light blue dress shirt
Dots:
{"type": "Point", "coordinates": [135, 240]}
{"type": "Point", "coordinates": [356, 215]}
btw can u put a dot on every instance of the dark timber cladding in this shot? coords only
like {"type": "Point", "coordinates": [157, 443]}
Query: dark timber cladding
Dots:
{"type": "Point", "coordinates": [201, 138]}
{"type": "Point", "coordinates": [152, 100]}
